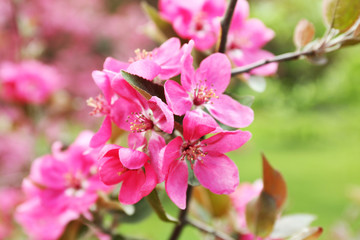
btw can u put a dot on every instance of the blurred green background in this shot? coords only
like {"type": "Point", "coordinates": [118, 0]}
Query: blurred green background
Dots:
{"type": "Point", "coordinates": [307, 122]}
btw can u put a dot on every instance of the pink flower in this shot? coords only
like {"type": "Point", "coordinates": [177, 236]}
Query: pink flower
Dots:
{"type": "Point", "coordinates": [246, 38]}
{"type": "Point", "coordinates": [60, 187]}
{"type": "Point", "coordinates": [9, 199]}
{"type": "Point", "coordinates": [162, 62]}
{"type": "Point", "coordinates": [131, 167]}
{"type": "Point", "coordinates": [197, 20]}
{"type": "Point", "coordinates": [28, 82]}
{"type": "Point", "coordinates": [139, 114]}
{"type": "Point", "coordinates": [211, 166]}
{"type": "Point", "coordinates": [204, 88]}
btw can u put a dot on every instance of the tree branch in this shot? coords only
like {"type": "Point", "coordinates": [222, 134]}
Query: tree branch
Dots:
{"type": "Point", "coordinates": [182, 216]}
{"type": "Point", "coordinates": [207, 229]}
{"type": "Point", "coordinates": [225, 25]}
{"type": "Point", "coordinates": [279, 58]}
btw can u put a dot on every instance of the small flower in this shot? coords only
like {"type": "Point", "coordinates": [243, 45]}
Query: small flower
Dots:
{"type": "Point", "coordinates": [211, 166]}
{"type": "Point", "coordinates": [131, 167]}
{"type": "Point", "coordinates": [197, 20]}
{"type": "Point", "coordinates": [204, 88]}
{"type": "Point", "coordinates": [246, 38]}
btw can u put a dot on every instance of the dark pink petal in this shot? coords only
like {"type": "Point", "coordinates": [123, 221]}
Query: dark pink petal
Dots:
{"type": "Point", "coordinates": [167, 51]}
{"type": "Point", "coordinates": [163, 117]}
{"type": "Point", "coordinates": [176, 183]}
{"type": "Point", "coordinates": [230, 112]}
{"type": "Point", "coordinates": [104, 134]}
{"type": "Point", "coordinates": [114, 65]}
{"type": "Point", "coordinates": [218, 173]}
{"type": "Point", "coordinates": [103, 82]}
{"type": "Point", "coordinates": [172, 152]}
{"type": "Point", "coordinates": [197, 124]}
{"type": "Point", "coordinates": [241, 13]}
{"type": "Point", "coordinates": [111, 171]}
{"type": "Point", "coordinates": [226, 141]}
{"type": "Point", "coordinates": [122, 111]}
{"type": "Point", "coordinates": [147, 69]}
{"type": "Point", "coordinates": [214, 8]}
{"type": "Point", "coordinates": [187, 72]}
{"type": "Point", "coordinates": [150, 181]}
{"type": "Point", "coordinates": [136, 141]}
{"type": "Point", "coordinates": [156, 144]}
{"type": "Point", "coordinates": [132, 159]}
{"type": "Point", "coordinates": [177, 98]}
{"type": "Point", "coordinates": [130, 192]}
{"type": "Point", "coordinates": [125, 90]}
{"type": "Point", "coordinates": [215, 72]}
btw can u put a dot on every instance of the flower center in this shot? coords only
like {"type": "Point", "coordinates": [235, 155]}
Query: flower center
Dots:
{"type": "Point", "coordinates": [139, 123]}
{"type": "Point", "coordinates": [192, 152]}
{"type": "Point", "coordinates": [140, 55]}
{"type": "Point", "coordinates": [76, 184]}
{"type": "Point", "coordinates": [100, 105]}
{"type": "Point", "coordinates": [203, 94]}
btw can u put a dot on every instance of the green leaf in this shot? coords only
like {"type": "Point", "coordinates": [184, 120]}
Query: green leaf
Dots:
{"type": "Point", "coordinates": [164, 26]}
{"type": "Point", "coordinates": [145, 87]}
{"type": "Point", "coordinates": [153, 199]}
{"type": "Point", "coordinates": [141, 211]}
{"type": "Point", "coordinates": [341, 14]}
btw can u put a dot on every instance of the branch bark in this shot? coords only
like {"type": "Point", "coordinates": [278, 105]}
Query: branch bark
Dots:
{"type": "Point", "coordinates": [225, 25]}
{"type": "Point", "coordinates": [182, 216]}
{"type": "Point", "coordinates": [207, 229]}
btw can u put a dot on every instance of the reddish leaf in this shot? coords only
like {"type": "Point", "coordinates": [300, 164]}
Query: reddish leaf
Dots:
{"type": "Point", "coordinates": [274, 183]}
{"type": "Point", "coordinates": [304, 33]}
{"type": "Point", "coordinates": [308, 234]}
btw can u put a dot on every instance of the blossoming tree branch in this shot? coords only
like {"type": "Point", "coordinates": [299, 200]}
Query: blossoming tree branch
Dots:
{"type": "Point", "coordinates": [168, 120]}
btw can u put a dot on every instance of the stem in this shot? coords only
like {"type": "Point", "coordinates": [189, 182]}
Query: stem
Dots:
{"type": "Point", "coordinates": [182, 216]}
{"type": "Point", "coordinates": [279, 58]}
{"type": "Point", "coordinates": [207, 229]}
{"type": "Point", "coordinates": [225, 25]}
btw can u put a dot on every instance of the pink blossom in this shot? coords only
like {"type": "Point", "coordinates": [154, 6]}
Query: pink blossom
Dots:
{"type": "Point", "coordinates": [28, 82]}
{"type": "Point", "coordinates": [204, 88]}
{"type": "Point", "coordinates": [59, 188]}
{"type": "Point", "coordinates": [246, 38]}
{"type": "Point", "coordinates": [9, 199]}
{"type": "Point", "coordinates": [131, 167]}
{"type": "Point", "coordinates": [211, 166]}
{"type": "Point", "coordinates": [198, 20]}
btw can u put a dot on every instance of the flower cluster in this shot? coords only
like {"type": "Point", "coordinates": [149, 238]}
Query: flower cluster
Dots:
{"type": "Point", "coordinates": [61, 187]}
{"type": "Point", "coordinates": [157, 150]}
{"type": "Point", "coordinates": [200, 21]}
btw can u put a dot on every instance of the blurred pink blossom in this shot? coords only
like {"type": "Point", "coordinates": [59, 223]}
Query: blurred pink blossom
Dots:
{"type": "Point", "coordinates": [28, 82]}
{"type": "Point", "coordinates": [60, 187]}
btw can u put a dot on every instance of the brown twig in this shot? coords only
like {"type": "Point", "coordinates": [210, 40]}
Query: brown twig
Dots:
{"type": "Point", "coordinates": [208, 229]}
{"type": "Point", "coordinates": [182, 216]}
{"type": "Point", "coordinates": [225, 25]}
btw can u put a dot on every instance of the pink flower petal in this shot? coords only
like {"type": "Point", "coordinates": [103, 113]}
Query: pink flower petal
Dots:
{"type": "Point", "coordinates": [163, 117]}
{"type": "Point", "coordinates": [103, 82]}
{"type": "Point", "coordinates": [188, 72]}
{"type": "Point", "coordinates": [130, 192]}
{"type": "Point", "coordinates": [197, 124]}
{"type": "Point", "coordinates": [241, 13]}
{"type": "Point", "coordinates": [115, 66]}
{"type": "Point", "coordinates": [217, 173]}
{"type": "Point", "coordinates": [172, 153]}
{"type": "Point", "coordinates": [177, 98]}
{"type": "Point", "coordinates": [176, 183]}
{"type": "Point", "coordinates": [215, 72]}
{"type": "Point", "coordinates": [156, 144]}
{"type": "Point", "coordinates": [104, 134]}
{"type": "Point", "coordinates": [147, 69]}
{"type": "Point", "coordinates": [230, 112]}
{"type": "Point", "coordinates": [150, 181]}
{"type": "Point", "coordinates": [226, 141]}
{"type": "Point", "coordinates": [132, 159]}
{"type": "Point", "coordinates": [111, 170]}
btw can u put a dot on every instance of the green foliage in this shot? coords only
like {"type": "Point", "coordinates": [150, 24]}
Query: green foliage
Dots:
{"type": "Point", "coordinates": [341, 14]}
